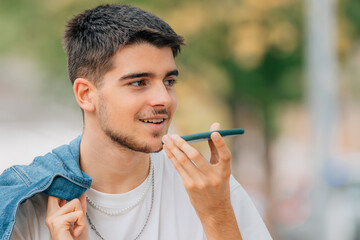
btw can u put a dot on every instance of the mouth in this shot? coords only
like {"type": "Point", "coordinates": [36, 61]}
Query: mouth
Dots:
{"type": "Point", "coordinates": [153, 121]}
{"type": "Point", "coordinates": [155, 127]}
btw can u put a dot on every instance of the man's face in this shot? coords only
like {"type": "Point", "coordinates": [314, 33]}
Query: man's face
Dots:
{"type": "Point", "coordinates": [136, 100]}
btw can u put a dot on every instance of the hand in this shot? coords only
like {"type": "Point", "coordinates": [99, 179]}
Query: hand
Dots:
{"type": "Point", "coordinates": [207, 183]}
{"type": "Point", "coordinates": [66, 220]}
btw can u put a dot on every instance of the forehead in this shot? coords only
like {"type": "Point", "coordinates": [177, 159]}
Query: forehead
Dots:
{"type": "Point", "coordinates": [143, 57]}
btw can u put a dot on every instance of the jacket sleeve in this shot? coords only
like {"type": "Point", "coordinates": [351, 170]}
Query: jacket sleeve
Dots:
{"type": "Point", "coordinates": [12, 188]}
{"type": "Point", "coordinates": [30, 219]}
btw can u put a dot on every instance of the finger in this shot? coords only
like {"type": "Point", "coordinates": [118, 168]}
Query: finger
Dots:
{"type": "Point", "coordinates": [223, 151]}
{"type": "Point", "coordinates": [72, 206]}
{"type": "Point", "coordinates": [181, 161]}
{"type": "Point", "coordinates": [76, 219]}
{"type": "Point", "coordinates": [172, 158]}
{"type": "Point", "coordinates": [53, 204]}
{"type": "Point", "coordinates": [213, 150]}
{"type": "Point", "coordinates": [191, 153]}
{"type": "Point", "coordinates": [79, 230]}
{"type": "Point", "coordinates": [80, 224]}
{"type": "Point", "coordinates": [214, 153]}
{"type": "Point", "coordinates": [179, 168]}
{"type": "Point", "coordinates": [215, 126]}
{"type": "Point", "coordinates": [178, 159]}
{"type": "Point", "coordinates": [83, 203]}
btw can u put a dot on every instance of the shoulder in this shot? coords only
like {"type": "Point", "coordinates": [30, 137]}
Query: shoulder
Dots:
{"type": "Point", "coordinates": [248, 218]}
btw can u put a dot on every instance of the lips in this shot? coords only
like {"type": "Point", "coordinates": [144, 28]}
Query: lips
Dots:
{"type": "Point", "coordinates": [158, 119]}
{"type": "Point", "coordinates": [154, 121]}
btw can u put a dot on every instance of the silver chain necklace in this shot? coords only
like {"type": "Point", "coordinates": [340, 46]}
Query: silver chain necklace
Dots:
{"type": "Point", "coordinates": [147, 218]}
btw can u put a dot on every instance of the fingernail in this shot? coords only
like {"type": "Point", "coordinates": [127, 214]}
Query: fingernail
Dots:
{"type": "Point", "coordinates": [216, 136]}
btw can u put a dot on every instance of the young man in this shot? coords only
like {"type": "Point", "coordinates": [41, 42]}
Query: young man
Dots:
{"type": "Point", "coordinates": [121, 64]}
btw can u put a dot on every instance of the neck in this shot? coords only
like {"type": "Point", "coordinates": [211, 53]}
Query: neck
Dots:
{"type": "Point", "coordinates": [113, 168]}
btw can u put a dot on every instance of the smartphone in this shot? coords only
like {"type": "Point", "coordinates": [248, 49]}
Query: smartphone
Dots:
{"type": "Point", "coordinates": [205, 136]}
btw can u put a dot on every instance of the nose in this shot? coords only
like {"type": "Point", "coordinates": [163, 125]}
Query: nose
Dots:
{"type": "Point", "coordinates": [160, 95]}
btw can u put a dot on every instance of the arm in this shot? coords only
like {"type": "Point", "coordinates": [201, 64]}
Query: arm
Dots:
{"type": "Point", "coordinates": [207, 184]}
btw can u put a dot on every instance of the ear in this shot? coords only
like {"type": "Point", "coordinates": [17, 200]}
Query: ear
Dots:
{"type": "Point", "coordinates": [84, 93]}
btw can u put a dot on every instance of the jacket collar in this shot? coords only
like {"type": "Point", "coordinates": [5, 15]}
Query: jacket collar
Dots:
{"type": "Point", "coordinates": [76, 181]}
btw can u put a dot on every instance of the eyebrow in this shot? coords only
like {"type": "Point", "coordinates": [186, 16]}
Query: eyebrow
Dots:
{"type": "Point", "coordinates": [146, 74]}
{"type": "Point", "coordinates": [172, 73]}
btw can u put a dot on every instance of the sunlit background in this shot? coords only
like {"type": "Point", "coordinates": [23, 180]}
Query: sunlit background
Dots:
{"type": "Point", "coordinates": [287, 71]}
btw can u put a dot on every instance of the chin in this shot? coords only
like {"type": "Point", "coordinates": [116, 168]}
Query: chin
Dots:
{"type": "Point", "coordinates": [157, 148]}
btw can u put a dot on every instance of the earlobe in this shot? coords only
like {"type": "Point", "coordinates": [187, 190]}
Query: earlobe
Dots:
{"type": "Point", "coordinates": [83, 90]}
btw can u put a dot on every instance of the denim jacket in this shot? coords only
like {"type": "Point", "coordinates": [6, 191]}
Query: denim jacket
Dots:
{"type": "Point", "coordinates": [57, 174]}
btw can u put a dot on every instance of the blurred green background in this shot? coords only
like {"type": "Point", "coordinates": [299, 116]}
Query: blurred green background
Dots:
{"type": "Point", "coordinates": [244, 65]}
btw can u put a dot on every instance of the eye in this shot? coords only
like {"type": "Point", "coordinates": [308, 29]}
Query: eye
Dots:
{"type": "Point", "coordinates": [139, 83]}
{"type": "Point", "coordinates": [170, 82]}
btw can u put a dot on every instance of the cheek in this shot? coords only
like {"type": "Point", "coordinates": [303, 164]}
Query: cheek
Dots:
{"type": "Point", "coordinates": [174, 103]}
{"type": "Point", "coordinates": [121, 110]}
{"type": "Point", "coordinates": [128, 109]}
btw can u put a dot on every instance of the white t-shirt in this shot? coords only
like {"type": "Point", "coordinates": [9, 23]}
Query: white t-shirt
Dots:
{"type": "Point", "coordinates": [172, 215]}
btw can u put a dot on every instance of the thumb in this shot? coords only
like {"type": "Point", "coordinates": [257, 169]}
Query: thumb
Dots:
{"type": "Point", "coordinates": [214, 153]}
{"type": "Point", "coordinates": [83, 203]}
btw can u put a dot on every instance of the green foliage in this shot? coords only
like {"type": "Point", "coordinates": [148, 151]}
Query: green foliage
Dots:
{"type": "Point", "coordinates": [351, 9]}
{"type": "Point", "coordinates": [276, 74]}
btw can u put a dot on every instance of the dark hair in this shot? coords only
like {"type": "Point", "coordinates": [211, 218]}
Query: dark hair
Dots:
{"type": "Point", "coordinates": [93, 37]}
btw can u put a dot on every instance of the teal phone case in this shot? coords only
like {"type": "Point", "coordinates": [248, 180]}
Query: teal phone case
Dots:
{"type": "Point", "coordinates": [205, 136]}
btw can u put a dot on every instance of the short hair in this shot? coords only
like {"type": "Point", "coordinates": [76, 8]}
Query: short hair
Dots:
{"type": "Point", "coordinates": [93, 37]}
